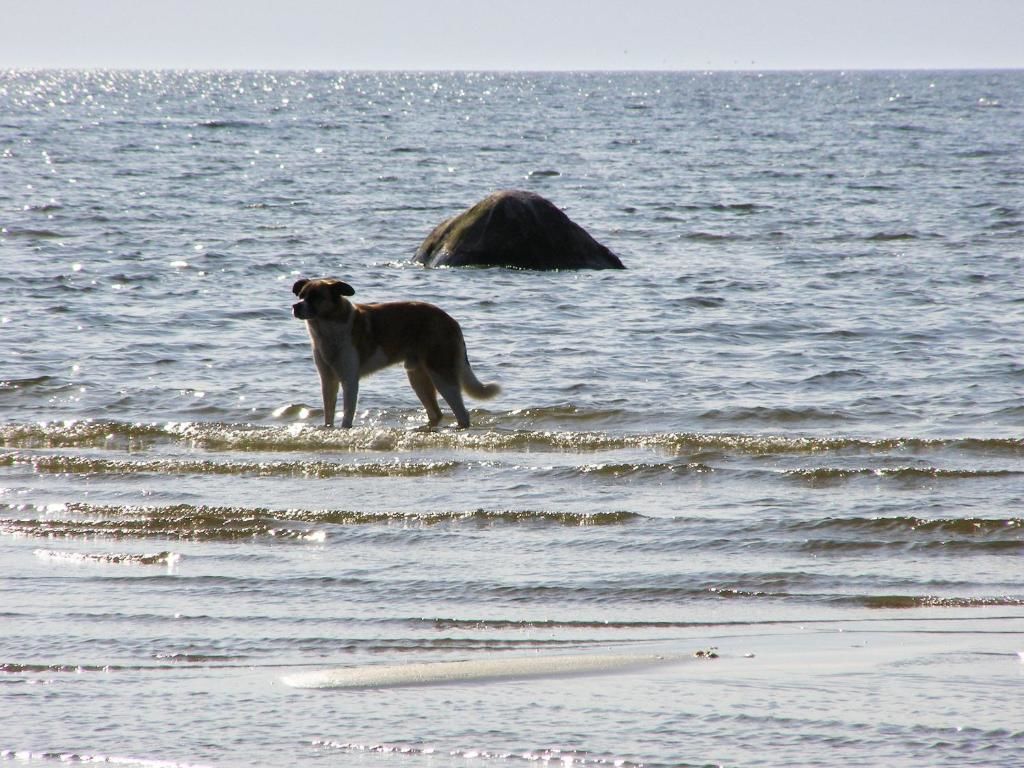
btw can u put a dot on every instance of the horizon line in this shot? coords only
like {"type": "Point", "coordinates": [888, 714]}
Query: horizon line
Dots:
{"type": "Point", "coordinates": [509, 71]}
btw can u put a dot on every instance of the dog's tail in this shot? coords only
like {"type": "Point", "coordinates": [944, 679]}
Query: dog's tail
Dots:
{"type": "Point", "coordinates": [472, 386]}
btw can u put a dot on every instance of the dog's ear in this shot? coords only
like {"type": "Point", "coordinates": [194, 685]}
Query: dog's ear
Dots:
{"type": "Point", "coordinates": [342, 289]}
{"type": "Point", "coordinates": [299, 285]}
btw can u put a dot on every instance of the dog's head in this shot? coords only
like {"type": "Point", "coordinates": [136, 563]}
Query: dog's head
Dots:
{"type": "Point", "coordinates": [323, 298]}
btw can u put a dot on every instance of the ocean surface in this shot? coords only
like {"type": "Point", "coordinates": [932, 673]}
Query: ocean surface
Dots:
{"type": "Point", "coordinates": [782, 452]}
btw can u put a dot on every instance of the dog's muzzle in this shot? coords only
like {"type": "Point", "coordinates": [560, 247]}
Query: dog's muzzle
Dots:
{"type": "Point", "coordinates": [301, 311]}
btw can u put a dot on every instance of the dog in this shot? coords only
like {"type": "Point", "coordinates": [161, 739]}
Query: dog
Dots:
{"type": "Point", "coordinates": [354, 340]}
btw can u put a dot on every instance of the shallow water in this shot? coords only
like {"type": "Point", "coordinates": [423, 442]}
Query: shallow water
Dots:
{"type": "Point", "coordinates": [790, 431]}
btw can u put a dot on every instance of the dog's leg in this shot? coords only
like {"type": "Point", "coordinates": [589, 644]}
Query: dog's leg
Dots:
{"type": "Point", "coordinates": [349, 396]}
{"type": "Point", "coordinates": [329, 393]}
{"type": "Point", "coordinates": [424, 389]}
{"type": "Point", "coordinates": [452, 394]}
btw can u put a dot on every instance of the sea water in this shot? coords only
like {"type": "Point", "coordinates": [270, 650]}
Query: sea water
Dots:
{"type": "Point", "coordinates": [787, 442]}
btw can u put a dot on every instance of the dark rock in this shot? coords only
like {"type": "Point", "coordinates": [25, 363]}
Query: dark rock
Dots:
{"type": "Point", "coordinates": [514, 229]}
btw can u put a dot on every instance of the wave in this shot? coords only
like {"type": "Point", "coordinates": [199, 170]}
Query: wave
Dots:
{"type": "Point", "coordinates": [944, 548]}
{"type": "Point", "coordinates": [223, 124]}
{"type": "Point", "coordinates": [738, 588]}
{"type": "Point", "coordinates": [777, 415]}
{"type": "Point", "coordinates": [883, 237]}
{"type": "Point", "coordinates": [968, 526]}
{"type": "Point", "coordinates": [15, 668]}
{"type": "Point", "coordinates": [775, 591]}
{"type": "Point", "coordinates": [76, 433]}
{"type": "Point", "coordinates": [709, 237]}
{"type": "Point", "coordinates": [943, 536]}
{"type": "Point", "coordinates": [202, 523]}
{"type": "Point", "coordinates": [737, 207]}
{"type": "Point", "coordinates": [563, 413]}
{"type": "Point", "coordinates": [64, 758]}
{"type": "Point", "coordinates": [27, 518]}
{"type": "Point", "coordinates": [169, 559]}
{"type": "Point", "coordinates": [497, 435]}
{"type": "Point", "coordinates": [828, 475]}
{"type": "Point", "coordinates": [520, 625]}
{"type": "Point", "coordinates": [30, 234]}
{"type": "Point", "coordinates": [27, 383]}
{"type": "Point", "coordinates": [11, 668]}
{"type": "Point", "coordinates": [552, 756]}
{"type": "Point", "coordinates": [929, 601]}
{"type": "Point", "coordinates": [835, 536]}
{"type": "Point", "coordinates": [63, 464]}
{"type": "Point", "coordinates": [622, 470]}
{"type": "Point", "coordinates": [49, 207]}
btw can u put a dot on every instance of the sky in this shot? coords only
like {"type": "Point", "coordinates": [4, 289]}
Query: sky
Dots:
{"type": "Point", "coordinates": [519, 35]}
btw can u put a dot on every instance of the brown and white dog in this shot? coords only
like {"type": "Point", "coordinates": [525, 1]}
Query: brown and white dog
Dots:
{"type": "Point", "coordinates": [354, 340]}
